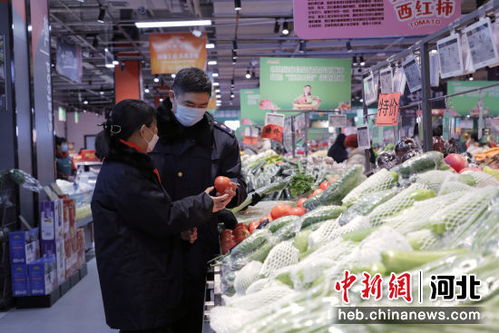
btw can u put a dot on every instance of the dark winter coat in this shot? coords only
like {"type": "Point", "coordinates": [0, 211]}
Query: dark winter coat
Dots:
{"type": "Point", "coordinates": [137, 239]}
{"type": "Point", "coordinates": [189, 159]}
{"type": "Point", "coordinates": [337, 151]}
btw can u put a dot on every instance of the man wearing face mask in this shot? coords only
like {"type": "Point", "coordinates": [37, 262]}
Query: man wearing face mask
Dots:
{"type": "Point", "coordinates": [192, 151]}
{"type": "Point", "coordinates": [64, 162]}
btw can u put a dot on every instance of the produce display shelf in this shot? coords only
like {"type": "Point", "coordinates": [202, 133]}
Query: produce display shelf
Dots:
{"type": "Point", "coordinates": [47, 301]}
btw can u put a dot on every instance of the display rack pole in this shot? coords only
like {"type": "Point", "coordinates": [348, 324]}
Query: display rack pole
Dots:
{"type": "Point", "coordinates": [426, 95]}
{"type": "Point", "coordinates": [307, 117]}
{"type": "Point", "coordinates": [293, 136]}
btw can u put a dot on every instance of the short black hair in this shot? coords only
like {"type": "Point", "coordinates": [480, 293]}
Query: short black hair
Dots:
{"type": "Point", "coordinates": [474, 136]}
{"type": "Point", "coordinates": [191, 79]}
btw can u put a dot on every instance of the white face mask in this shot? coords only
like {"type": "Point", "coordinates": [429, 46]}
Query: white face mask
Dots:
{"type": "Point", "coordinates": [151, 144]}
{"type": "Point", "coordinates": [189, 116]}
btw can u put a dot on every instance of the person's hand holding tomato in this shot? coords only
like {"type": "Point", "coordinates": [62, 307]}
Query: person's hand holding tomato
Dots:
{"type": "Point", "coordinates": [223, 185]}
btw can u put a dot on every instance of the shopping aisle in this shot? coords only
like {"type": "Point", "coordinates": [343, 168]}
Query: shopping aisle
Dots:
{"type": "Point", "coordinates": [79, 311]}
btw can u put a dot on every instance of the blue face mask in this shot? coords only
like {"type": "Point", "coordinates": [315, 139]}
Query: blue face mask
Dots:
{"type": "Point", "coordinates": [188, 116]}
{"type": "Point", "coordinates": [64, 148]}
{"type": "Point", "coordinates": [349, 150]}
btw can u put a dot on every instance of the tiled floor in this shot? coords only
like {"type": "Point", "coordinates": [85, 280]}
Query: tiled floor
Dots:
{"type": "Point", "coordinates": [79, 311]}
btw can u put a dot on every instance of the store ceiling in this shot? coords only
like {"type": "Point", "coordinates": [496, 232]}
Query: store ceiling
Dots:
{"type": "Point", "coordinates": [75, 21]}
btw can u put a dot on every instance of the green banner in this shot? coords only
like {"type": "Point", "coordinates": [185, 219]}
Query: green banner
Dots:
{"type": "Point", "coordinates": [468, 104]}
{"type": "Point", "coordinates": [251, 115]}
{"type": "Point", "coordinates": [305, 84]}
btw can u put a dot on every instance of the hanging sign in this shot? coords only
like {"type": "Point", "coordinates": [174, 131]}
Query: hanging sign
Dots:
{"type": "Point", "coordinates": [352, 19]}
{"type": "Point", "coordinates": [69, 61]}
{"type": "Point", "coordinates": [337, 121]}
{"type": "Point", "coordinates": [434, 69]}
{"type": "Point", "coordinates": [386, 80]}
{"type": "Point", "coordinates": [450, 56]}
{"type": "Point", "coordinates": [481, 43]}
{"type": "Point", "coordinates": [370, 90]}
{"type": "Point", "coordinates": [399, 80]}
{"type": "Point", "coordinates": [274, 126]}
{"type": "Point", "coordinates": [62, 113]}
{"type": "Point", "coordinates": [413, 74]}
{"type": "Point", "coordinates": [388, 109]}
{"type": "Point", "coordinates": [363, 138]}
{"type": "Point", "coordinates": [172, 52]}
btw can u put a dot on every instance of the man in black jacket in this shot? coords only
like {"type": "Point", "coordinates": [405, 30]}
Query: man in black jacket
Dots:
{"type": "Point", "coordinates": [192, 151]}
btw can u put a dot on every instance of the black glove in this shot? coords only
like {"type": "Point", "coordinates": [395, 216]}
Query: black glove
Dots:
{"type": "Point", "coordinates": [227, 218]}
{"type": "Point", "coordinates": [255, 198]}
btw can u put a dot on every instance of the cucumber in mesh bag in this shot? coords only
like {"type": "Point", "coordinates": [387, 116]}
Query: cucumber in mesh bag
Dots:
{"type": "Point", "coordinates": [318, 215]}
{"type": "Point", "coordinates": [431, 160]}
{"type": "Point", "coordinates": [338, 190]}
{"type": "Point", "coordinates": [380, 181]}
{"type": "Point", "coordinates": [276, 225]}
{"type": "Point", "coordinates": [366, 204]}
{"type": "Point", "coordinates": [255, 241]}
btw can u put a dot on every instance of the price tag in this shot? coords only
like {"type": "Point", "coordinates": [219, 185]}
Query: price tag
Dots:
{"type": "Point", "coordinates": [388, 109]}
{"type": "Point", "coordinates": [450, 56]}
{"type": "Point", "coordinates": [413, 74]}
{"type": "Point", "coordinates": [370, 90]}
{"type": "Point", "coordinates": [337, 120]}
{"type": "Point", "coordinates": [480, 39]}
{"type": "Point", "coordinates": [363, 137]}
{"type": "Point", "coordinates": [386, 80]}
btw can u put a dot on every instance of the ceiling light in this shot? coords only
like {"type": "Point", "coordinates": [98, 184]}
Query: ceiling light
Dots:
{"type": "Point", "coordinates": [110, 66]}
{"type": "Point", "coordinates": [285, 28]}
{"type": "Point", "coordinates": [217, 91]}
{"type": "Point", "coordinates": [172, 24]}
{"type": "Point", "coordinates": [212, 62]}
{"type": "Point", "coordinates": [433, 52]}
{"type": "Point", "coordinates": [349, 46]}
{"type": "Point", "coordinates": [102, 14]}
{"type": "Point", "coordinates": [173, 76]}
{"type": "Point", "coordinates": [156, 79]}
{"type": "Point", "coordinates": [146, 90]}
{"type": "Point", "coordinates": [248, 74]}
{"type": "Point", "coordinates": [237, 5]}
{"type": "Point", "coordinates": [232, 96]}
{"type": "Point", "coordinates": [234, 60]}
{"type": "Point", "coordinates": [161, 100]}
{"type": "Point", "coordinates": [101, 92]}
{"type": "Point", "coordinates": [216, 84]}
{"type": "Point", "coordinates": [197, 33]}
{"type": "Point", "coordinates": [218, 96]}
{"type": "Point", "coordinates": [85, 102]}
{"type": "Point", "coordinates": [361, 100]}
{"type": "Point", "coordinates": [362, 61]}
{"type": "Point", "coordinates": [116, 62]}
{"type": "Point", "coordinates": [276, 27]}
{"type": "Point", "coordinates": [214, 74]}
{"type": "Point", "coordinates": [210, 46]}
{"type": "Point", "coordinates": [471, 78]}
{"type": "Point", "coordinates": [355, 63]}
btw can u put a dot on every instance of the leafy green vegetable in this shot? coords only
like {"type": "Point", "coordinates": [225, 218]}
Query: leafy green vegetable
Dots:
{"type": "Point", "coordinates": [300, 184]}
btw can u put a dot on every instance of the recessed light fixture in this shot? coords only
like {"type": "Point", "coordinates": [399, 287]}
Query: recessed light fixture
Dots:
{"type": "Point", "coordinates": [173, 76]}
{"type": "Point", "coordinates": [156, 79]}
{"type": "Point", "coordinates": [237, 5]}
{"type": "Point", "coordinates": [172, 24]}
{"type": "Point", "coordinates": [161, 100]}
{"type": "Point", "coordinates": [116, 62]}
{"type": "Point", "coordinates": [210, 46]}
{"type": "Point", "coordinates": [146, 90]}
{"type": "Point", "coordinates": [212, 63]}
{"type": "Point", "coordinates": [197, 33]}
{"type": "Point", "coordinates": [248, 74]}
{"type": "Point", "coordinates": [214, 74]}
{"type": "Point", "coordinates": [216, 84]}
{"type": "Point", "coordinates": [85, 102]}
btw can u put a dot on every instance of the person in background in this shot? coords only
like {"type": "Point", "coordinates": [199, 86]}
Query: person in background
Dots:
{"type": "Point", "coordinates": [356, 155]}
{"type": "Point", "coordinates": [337, 151]}
{"type": "Point", "coordinates": [474, 145]}
{"type": "Point", "coordinates": [192, 151]}
{"type": "Point", "coordinates": [64, 163]}
{"type": "Point", "coordinates": [138, 227]}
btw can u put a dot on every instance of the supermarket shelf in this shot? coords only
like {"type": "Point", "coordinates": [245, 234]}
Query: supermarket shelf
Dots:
{"type": "Point", "coordinates": [84, 221]}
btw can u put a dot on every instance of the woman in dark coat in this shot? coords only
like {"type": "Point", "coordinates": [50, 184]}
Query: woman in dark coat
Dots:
{"type": "Point", "coordinates": [138, 229]}
{"type": "Point", "coordinates": [337, 151]}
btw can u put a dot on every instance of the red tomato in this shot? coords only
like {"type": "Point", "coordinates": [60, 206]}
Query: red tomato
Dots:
{"type": "Point", "coordinates": [253, 225]}
{"type": "Point", "coordinates": [297, 211]}
{"type": "Point", "coordinates": [239, 226]}
{"type": "Point", "coordinates": [241, 233]}
{"type": "Point", "coordinates": [300, 202]}
{"type": "Point", "coordinates": [226, 234]}
{"type": "Point", "coordinates": [266, 217]}
{"type": "Point", "coordinates": [227, 246]}
{"type": "Point", "coordinates": [324, 185]}
{"type": "Point", "coordinates": [280, 211]}
{"type": "Point", "coordinates": [316, 192]}
{"type": "Point", "coordinates": [222, 184]}
{"type": "Point", "coordinates": [456, 162]}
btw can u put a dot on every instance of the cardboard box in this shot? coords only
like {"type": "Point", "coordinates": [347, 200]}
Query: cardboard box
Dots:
{"type": "Point", "coordinates": [80, 238]}
{"type": "Point", "coordinates": [60, 258]}
{"type": "Point", "coordinates": [24, 246]}
{"type": "Point", "coordinates": [20, 280]}
{"type": "Point", "coordinates": [43, 276]}
{"type": "Point", "coordinates": [69, 218]}
{"type": "Point", "coordinates": [52, 225]}
{"type": "Point", "coordinates": [71, 255]}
